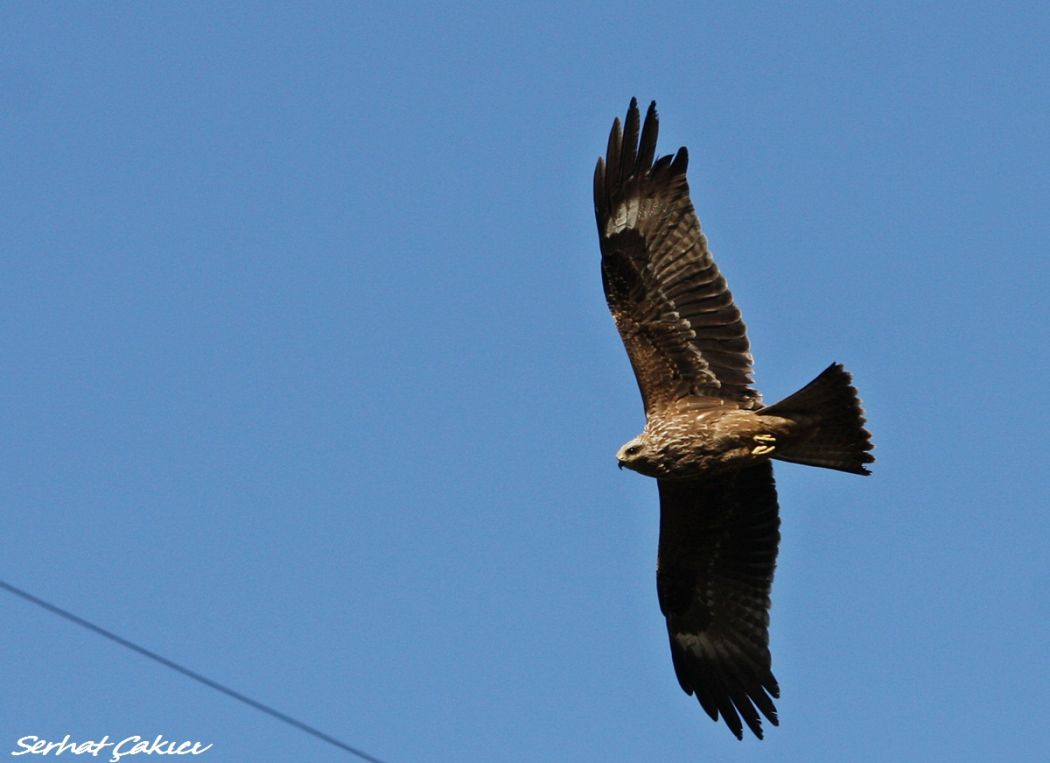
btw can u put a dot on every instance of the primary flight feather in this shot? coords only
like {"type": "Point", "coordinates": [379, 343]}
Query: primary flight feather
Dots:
{"type": "Point", "coordinates": [708, 439]}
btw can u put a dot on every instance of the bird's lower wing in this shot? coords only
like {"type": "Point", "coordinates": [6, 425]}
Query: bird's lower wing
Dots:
{"type": "Point", "coordinates": [718, 549]}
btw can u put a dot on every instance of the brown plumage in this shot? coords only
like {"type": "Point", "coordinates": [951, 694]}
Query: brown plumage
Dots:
{"type": "Point", "coordinates": [707, 438]}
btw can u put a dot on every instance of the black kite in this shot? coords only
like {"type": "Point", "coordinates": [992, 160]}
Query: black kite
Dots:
{"type": "Point", "coordinates": [708, 439]}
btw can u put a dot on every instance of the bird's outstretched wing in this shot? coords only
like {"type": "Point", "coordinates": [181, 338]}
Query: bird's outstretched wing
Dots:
{"type": "Point", "coordinates": [672, 307]}
{"type": "Point", "coordinates": [718, 547]}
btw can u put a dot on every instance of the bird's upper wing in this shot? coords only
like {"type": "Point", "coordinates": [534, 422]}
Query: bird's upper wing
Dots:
{"type": "Point", "coordinates": [674, 311]}
{"type": "Point", "coordinates": [718, 547]}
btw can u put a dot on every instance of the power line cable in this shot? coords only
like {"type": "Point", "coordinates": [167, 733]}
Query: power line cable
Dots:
{"type": "Point", "coordinates": [190, 673]}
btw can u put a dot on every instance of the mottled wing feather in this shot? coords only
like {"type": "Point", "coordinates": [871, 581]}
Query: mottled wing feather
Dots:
{"type": "Point", "coordinates": [718, 548]}
{"type": "Point", "coordinates": [682, 331]}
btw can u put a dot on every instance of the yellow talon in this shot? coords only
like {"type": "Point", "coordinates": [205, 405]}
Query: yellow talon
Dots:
{"type": "Point", "coordinates": [763, 450]}
{"type": "Point", "coordinates": [764, 438]}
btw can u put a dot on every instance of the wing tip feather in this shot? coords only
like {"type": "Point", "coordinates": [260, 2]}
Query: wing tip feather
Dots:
{"type": "Point", "coordinates": [631, 149]}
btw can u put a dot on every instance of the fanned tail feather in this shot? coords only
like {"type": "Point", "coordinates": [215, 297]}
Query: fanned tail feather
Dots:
{"type": "Point", "coordinates": [832, 424]}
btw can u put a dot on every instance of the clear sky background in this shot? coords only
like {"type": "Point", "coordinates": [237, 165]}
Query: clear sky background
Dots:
{"type": "Point", "coordinates": [308, 381]}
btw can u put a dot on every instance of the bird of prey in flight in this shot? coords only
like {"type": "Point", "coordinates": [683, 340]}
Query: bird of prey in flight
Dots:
{"type": "Point", "coordinates": [708, 438]}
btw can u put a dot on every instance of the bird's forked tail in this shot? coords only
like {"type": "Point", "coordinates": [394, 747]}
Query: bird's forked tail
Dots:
{"type": "Point", "coordinates": [832, 433]}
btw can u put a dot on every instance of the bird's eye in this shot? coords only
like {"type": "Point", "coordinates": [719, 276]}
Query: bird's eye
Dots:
{"type": "Point", "coordinates": [633, 450]}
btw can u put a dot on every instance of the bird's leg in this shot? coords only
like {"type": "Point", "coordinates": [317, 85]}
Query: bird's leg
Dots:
{"type": "Point", "coordinates": [764, 450]}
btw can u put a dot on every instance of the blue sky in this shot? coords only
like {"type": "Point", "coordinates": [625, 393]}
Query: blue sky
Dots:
{"type": "Point", "coordinates": [309, 383]}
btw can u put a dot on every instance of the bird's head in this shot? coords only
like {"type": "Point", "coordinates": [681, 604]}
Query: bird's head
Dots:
{"type": "Point", "coordinates": [638, 455]}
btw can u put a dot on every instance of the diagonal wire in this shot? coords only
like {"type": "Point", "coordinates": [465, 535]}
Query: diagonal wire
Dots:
{"type": "Point", "coordinates": [190, 673]}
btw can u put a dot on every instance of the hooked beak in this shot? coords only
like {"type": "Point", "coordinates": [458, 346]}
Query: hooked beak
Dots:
{"type": "Point", "coordinates": [619, 463]}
